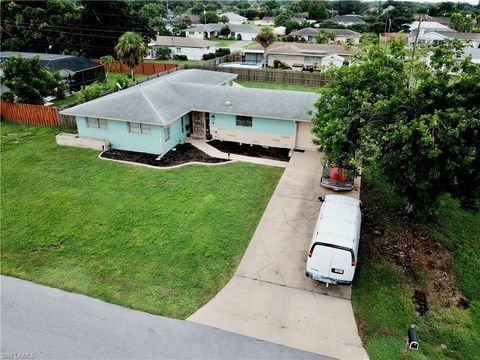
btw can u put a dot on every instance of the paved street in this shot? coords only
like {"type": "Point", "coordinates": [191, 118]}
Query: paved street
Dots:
{"type": "Point", "coordinates": [270, 297]}
{"type": "Point", "coordinates": [54, 324]}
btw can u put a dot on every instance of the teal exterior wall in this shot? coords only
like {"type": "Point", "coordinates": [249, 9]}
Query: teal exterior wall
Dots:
{"type": "Point", "coordinates": [120, 138]}
{"type": "Point", "coordinates": [177, 133]}
{"type": "Point", "coordinates": [259, 125]}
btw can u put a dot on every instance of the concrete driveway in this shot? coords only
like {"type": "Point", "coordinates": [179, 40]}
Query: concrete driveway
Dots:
{"type": "Point", "coordinates": [39, 322]}
{"type": "Point", "coordinates": [270, 297]}
{"type": "Point", "coordinates": [237, 45]}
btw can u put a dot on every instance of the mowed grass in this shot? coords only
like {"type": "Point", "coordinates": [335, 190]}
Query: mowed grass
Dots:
{"type": "Point", "coordinates": [382, 298]}
{"type": "Point", "coordinates": [262, 85]}
{"type": "Point", "coordinates": [161, 241]}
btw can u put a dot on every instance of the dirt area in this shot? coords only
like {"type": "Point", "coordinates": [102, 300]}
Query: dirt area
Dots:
{"type": "Point", "coordinates": [426, 263]}
{"type": "Point", "coordinates": [259, 151]}
{"type": "Point", "coordinates": [180, 154]}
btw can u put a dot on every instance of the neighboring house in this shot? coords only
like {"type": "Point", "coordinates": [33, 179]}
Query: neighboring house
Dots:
{"type": "Point", "coordinates": [211, 31]}
{"type": "Point", "coordinates": [234, 18]}
{"type": "Point", "coordinates": [332, 60]}
{"type": "Point", "coordinates": [444, 20]}
{"type": "Point", "coordinates": [297, 53]}
{"type": "Point", "coordinates": [301, 17]}
{"type": "Point", "coordinates": [430, 26]}
{"type": "Point", "coordinates": [341, 35]}
{"type": "Point", "coordinates": [192, 48]}
{"type": "Point", "coordinates": [436, 37]}
{"type": "Point", "coordinates": [153, 117]}
{"type": "Point", "coordinates": [280, 30]}
{"type": "Point", "coordinates": [74, 70]}
{"type": "Point", "coordinates": [265, 21]}
{"type": "Point", "coordinates": [347, 19]}
{"type": "Point", "coordinates": [178, 19]}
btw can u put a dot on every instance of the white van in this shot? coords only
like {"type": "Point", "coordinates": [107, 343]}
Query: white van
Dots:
{"type": "Point", "coordinates": [333, 253]}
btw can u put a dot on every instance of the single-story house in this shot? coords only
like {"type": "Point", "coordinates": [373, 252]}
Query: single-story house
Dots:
{"type": "Point", "coordinates": [435, 37]}
{"type": "Point", "coordinates": [444, 20]}
{"type": "Point", "coordinates": [280, 30]}
{"type": "Point", "coordinates": [153, 117]}
{"type": "Point", "coordinates": [429, 25]}
{"type": "Point", "coordinates": [192, 48]}
{"type": "Point", "coordinates": [347, 19]}
{"type": "Point", "coordinates": [297, 53]}
{"type": "Point", "coordinates": [211, 31]}
{"type": "Point", "coordinates": [74, 70]}
{"type": "Point", "coordinates": [332, 60]}
{"type": "Point", "coordinates": [341, 35]}
{"type": "Point", "coordinates": [265, 21]}
{"type": "Point", "coordinates": [235, 18]}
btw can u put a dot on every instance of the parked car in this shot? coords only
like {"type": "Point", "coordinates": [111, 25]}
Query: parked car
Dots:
{"type": "Point", "coordinates": [337, 179]}
{"type": "Point", "coordinates": [333, 253]}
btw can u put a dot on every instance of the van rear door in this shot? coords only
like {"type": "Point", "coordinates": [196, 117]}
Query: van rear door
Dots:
{"type": "Point", "coordinates": [341, 265]}
{"type": "Point", "coordinates": [320, 260]}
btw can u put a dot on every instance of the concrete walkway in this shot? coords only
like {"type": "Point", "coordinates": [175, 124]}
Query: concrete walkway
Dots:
{"type": "Point", "coordinates": [214, 152]}
{"type": "Point", "coordinates": [47, 323]}
{"type": "Point", "coordinates": [270, 297]}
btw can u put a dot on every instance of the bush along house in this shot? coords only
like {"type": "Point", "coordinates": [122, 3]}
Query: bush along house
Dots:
{"type": "Point", "coordinates": [155, 116]}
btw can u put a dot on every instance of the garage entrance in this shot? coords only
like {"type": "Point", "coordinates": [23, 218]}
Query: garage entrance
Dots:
{"type": "Point", "coordinates": [304, 136]}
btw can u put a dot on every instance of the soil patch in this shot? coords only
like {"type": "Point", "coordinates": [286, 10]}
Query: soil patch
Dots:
{"type": "Point", "coordinates": [426, 263]}
{"type": "Point", "coordinates": [272, 153]}
{"type": "Point", "coordinates": [180, 154]}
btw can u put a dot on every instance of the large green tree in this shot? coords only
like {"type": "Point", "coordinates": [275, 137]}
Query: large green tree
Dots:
{"type": "Point", "coordinates": [461, 22]}
{"type": "Point", "coordinates": [419, 124]}
{"type": "Point", "coordinates": [131, 50]}
{"type": "Point", "coordinates": [27, 81]}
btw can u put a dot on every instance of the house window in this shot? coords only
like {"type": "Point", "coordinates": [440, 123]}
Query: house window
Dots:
{"type": "Point", "coordinates": [166, 133]}
{"type": "Point", "coordinates": [245, 121]}
{"type": "Point", "coordinates": [138, 128]}
{"type": "Point", "coordinates": [97, 123]}
{"type": "Point", "coordinates": [179, 50]}
{"type": "Point", "coordinates": [191, 33]}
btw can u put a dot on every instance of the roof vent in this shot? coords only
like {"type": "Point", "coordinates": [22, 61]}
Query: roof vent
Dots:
{"type": "Point", "coordinates": [228, 104]}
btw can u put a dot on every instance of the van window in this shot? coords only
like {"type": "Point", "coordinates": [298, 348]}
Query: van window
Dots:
{"type": "Point", "coordinates": [315, 244]}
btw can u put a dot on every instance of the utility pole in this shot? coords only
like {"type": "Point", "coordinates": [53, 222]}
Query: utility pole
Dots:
{"type": "Point", "coordinates": [416, 38]}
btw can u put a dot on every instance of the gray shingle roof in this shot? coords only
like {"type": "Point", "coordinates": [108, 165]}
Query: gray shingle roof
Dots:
{"type": "Point", "coordinates": [337, 32]}
{"type": "Point", "coordinates": [244, 28]}
{"type": "Point", "coordinates": [178, 41]}
{"type": "Point", "coordinates": [347, 19]}
{"type": "Point", "coordinates": [163, 100]}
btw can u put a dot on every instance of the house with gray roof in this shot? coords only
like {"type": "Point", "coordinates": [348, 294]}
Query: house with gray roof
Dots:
{"type": "Point", "coordinates": [192, 48]}
{"type": "Point", "coordinates": [211, 31]}
{"type": "Point", "coordinates": [348, 19]}
{"type": "Point", "coordinates": [340, 36]}
{"type": "Point", "coordinates": [153, 117]}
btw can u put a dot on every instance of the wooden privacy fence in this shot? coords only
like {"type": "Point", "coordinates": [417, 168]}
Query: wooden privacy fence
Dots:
{"type": "Point", "coordinates": [27, 113]}
{"type": "Point", "coordinates": [145, 68]}
{"type": "Point", "coordinates": [286, 77]}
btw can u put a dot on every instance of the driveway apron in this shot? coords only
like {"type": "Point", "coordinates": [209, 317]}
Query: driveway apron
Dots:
{"type": "Point", "coordinates": [269, 297]}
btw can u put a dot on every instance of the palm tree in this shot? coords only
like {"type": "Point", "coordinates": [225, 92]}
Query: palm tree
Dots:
{"type": "Point", "coordinates": [265, 37]}
{"type": "Point", "coordinates": [130, 50]}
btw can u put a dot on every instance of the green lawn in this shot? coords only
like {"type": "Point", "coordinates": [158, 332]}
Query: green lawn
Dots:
{"type": "Point", "coordinates": [162, 241]}
{"type": "Point", "coordinates": [112, 78]}
{"type": "Point", "coordinates": [254, 84]}
{"type": "Point", "coordinates": [223, 42]}
{"type": "Point", "coordinates": [383, 289]}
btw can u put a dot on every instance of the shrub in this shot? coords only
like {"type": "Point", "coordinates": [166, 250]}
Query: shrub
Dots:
{"type": "Point", "coordinates": [239, 36]}
{"type": "Point", "coordinates": [123, 81]}
{"type": "Point", "coordinates": [208, 56]}
{"type": "Point", "coordinates": [277, 64]}
{"type": "Point", "coordinates": [89, 93]}
{"type": "Point", "coordinates": [222, 52]}
{"type": "Point", "coordinates": [180, 57]}
{"type": "Point", "coordinates": [163, 53]}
